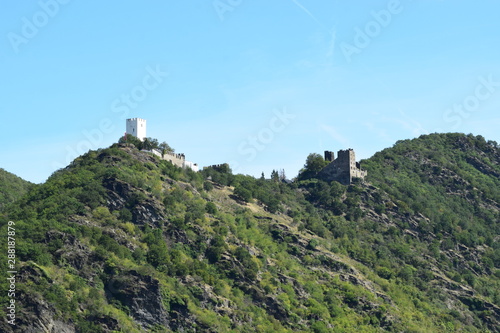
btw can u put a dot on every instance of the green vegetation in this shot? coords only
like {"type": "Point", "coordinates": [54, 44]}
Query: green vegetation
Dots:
{"type": "Point", "coordinates": [314, 164]}
{"type": "Point", "coordinates": [11, 187]}
{"type": "Point", "coordinates": [125, 241]}
{"type": "Point", "coordinates": [147, 144]}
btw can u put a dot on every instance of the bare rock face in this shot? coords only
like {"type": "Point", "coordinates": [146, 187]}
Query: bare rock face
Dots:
{"type": "Point", "coordinates": [41, 317]}
{"type": "Point", "coordinates": [145, 210]}
{"type": "Point", "coordinates": [37, 314]}
{"type": "Point", "coordinates": [141, 295]}
{"type": "Point", "coordinates": [71, 250]}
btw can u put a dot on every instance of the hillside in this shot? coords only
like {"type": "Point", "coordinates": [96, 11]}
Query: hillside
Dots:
{"type": "Point", "coordinates": [122, 241]}
{"type": "Point", "coordinates": [11, 187]}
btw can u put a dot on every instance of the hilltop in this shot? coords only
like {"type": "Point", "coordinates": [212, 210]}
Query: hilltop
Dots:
{"type": "Point", "coordinates": [121, 240]}
{"type": "Point", "coordinates": [12, 187]}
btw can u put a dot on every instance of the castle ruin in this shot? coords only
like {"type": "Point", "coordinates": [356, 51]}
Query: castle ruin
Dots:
{"type": "Point", "coordinates": [343, 169]}
{"type": "Point", "coordinates": [137, 127]}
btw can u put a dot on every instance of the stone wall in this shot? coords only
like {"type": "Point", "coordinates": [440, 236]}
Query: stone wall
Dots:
{"type": "Point", "coordinates": [329, 156]}
{"type": "Point", "coordinates": [343, 169]}
{"type": "Point", "coordinates": [176, 159]}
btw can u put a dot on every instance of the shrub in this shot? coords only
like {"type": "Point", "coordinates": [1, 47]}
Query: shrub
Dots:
{"type": "Point", "coordinates": [211, 208]}
{"type": "Point", "coordinates": [207, 186]}
{"type": "Point", "coordinates": [243, 193]}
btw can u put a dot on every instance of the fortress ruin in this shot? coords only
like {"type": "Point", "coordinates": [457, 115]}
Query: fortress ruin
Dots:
{"type": "Point", "coordinates": [343, 169]}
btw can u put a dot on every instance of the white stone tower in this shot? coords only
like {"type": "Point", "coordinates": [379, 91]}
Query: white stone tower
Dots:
{"type": "Point", "coordinates": [137, 128]}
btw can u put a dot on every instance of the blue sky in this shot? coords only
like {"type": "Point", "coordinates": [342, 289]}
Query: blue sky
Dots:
{"type": "Point", "coordinates": [259, 84]}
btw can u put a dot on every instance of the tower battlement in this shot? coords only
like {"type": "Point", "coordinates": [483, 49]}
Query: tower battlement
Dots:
{"type": "Point", "coordinates": [137, 128]}
{"type": "Point", "coordinates": [342, 169]}
{"type": "Point", "coordinates": [329, 156]}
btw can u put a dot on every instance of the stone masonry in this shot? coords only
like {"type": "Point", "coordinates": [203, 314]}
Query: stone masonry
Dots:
{"type": "Point", "coordinates": [343, 169]}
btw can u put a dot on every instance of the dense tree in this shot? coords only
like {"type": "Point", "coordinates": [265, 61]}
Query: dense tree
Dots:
{"type": "Point", "coordinates": [165, 148]}
{"type": "Point", "coordinates": [150, 144]}
{"type": "Point", "coordinates": [11, 187]}
{"type": "Point", "coordinates": [132, 140]}
{"type": "Point", "coordinates": [314, 164]}
{"type": "Point", "coordinates": [243, 193]}
{"type": "Point", "coordinates": [275, 176]}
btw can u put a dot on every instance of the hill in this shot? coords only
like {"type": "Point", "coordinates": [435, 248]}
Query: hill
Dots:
{"type": "Point", "coordinates": [11, 187]}
{"type": "Point", "coordinates": [123, 241]}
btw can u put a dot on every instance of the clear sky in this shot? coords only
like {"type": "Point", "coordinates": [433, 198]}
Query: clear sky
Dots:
{"type": "Point", "coordinates": [259, 84]}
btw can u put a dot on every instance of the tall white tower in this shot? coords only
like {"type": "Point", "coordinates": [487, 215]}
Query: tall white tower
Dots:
{"type": "Point", "coordinates": [137, 128]}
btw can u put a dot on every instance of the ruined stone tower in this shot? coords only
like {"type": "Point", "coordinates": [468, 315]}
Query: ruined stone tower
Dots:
{"type": "Point", "coordinates": [329, 156]}
{"type": "Point", "coordinates": [343, 169]}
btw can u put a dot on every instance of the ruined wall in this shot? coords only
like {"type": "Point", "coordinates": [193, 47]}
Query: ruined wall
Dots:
{"type": "Point", "coordinates": [176, 159]}
{"type": "Point", "coordinates": [329, 156]}
{"type": "Point", "coordinates": [343, 169]}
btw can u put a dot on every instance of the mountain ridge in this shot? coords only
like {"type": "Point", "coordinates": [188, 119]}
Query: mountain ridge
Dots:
{"type": "Point", "coordinates": [120, 240]}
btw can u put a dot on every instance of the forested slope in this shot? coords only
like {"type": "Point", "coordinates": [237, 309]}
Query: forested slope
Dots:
{"type": "Point", "coordinates": [11, 187]}
{"type": "Point", "coordinates": [122, 241]}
